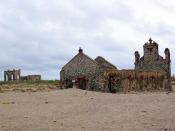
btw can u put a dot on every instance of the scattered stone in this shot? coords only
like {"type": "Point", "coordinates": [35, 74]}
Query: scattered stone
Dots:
{"type": "Point", "coordinates": [33, 90]}
{"type": "Point", "coordinates": [1, 91]}
{"type": "Point", "coordinates": [12, 102]}
{"type": "Point", "coordinates": [168, 92]}
{"type": "Point", "coordinates": [22, 90]}
{"type": "Point", "coordinates": [51, 87]}
{"type": "Point", "coordinates": [15, 89]}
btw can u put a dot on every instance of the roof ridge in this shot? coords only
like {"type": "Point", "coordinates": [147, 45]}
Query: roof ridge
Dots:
{"type": "Point", "coordinates": [77, 56]}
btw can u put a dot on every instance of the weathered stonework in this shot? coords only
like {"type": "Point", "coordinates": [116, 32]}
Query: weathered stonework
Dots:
{"type": "Point", "coordinates": [152, 72]}
{"type": "Point", "coordinates": [81, 67]}
{"type": "Point", "coordinates": [15, 75]}
{"type": "Point", "coordinates": [12, 75]}
{"type": "Point", "coordinates": [31, 78]}
{"type": "Point", "coordinates": [152, 61]}
{"type": "Point", "coordinates": [137, 80]}
{"type": "Point", "coordinates": [82, 71]}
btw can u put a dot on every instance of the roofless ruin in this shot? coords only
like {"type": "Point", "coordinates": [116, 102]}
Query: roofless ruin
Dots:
{"type": "Point", "coordinates": [152, 72]}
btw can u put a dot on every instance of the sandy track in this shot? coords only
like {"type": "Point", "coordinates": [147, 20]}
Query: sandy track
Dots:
{"type": "Point", "coordinates": [78, 110]}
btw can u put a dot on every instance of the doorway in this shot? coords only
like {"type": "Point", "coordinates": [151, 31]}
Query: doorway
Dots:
{"type": "Point", "coordinates": [111, 84]}
{"type": "Point", "coordinates": [82, 83]}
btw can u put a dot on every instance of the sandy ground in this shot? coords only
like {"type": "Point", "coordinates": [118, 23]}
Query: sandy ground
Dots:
{"type": "Point", "coordinates": [79, 110]}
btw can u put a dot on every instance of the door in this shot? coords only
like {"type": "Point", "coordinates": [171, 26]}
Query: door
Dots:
{"type": "Point", "coordinates": [82, 83]}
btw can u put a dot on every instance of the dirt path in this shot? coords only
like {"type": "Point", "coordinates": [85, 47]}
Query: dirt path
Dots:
{"type": "Point", "coordinates": [78, 110]}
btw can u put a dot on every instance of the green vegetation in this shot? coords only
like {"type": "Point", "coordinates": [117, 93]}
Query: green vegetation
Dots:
{"type": "Point", "coordinates": [54, 82]}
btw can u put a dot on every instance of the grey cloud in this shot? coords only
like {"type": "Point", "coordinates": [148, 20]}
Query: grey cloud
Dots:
{"type": "Point", "coordinates": [41, 36]}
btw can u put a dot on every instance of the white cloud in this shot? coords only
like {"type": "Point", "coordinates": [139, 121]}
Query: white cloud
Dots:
{"type": "Point", "coordinates": [41, 36]}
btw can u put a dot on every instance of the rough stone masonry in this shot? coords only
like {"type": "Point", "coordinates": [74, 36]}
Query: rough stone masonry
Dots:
{"type": "Point", "coordinates": [152, 72]}
{"type": "Point", "coordinates": [15, 75]}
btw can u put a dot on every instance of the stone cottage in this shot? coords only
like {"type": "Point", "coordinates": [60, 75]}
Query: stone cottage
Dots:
{"type": "Point", "coordinates": [82, 71]}
{"type": "Point", "coordinates": [152, 72]}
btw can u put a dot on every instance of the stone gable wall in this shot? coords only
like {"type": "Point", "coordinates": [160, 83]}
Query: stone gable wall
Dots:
{"type": "Point", "coordinates": [81, 65]}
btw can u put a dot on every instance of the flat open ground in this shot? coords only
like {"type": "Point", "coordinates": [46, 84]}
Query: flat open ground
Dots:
{"type": "Point", "coordinates": [79, 110]}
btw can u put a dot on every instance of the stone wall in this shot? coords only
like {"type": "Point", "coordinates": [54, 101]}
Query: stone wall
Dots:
{"type": "Point", "coordinates": [152, 61]}
{"type": "Point", "coordinates": [140, 80]}
{"type": "Point", "coordinates": [31, 78]}
{"type": "Point", "coordinates": [15, 75]}
{"type": "Point", "coordinates": [81, 65]}
{"type": "Point", "coordinates": [132, 80]}
{"type": "Point", "coordinates": [152, 72]}
{"type": "Point", "coordinates": [104, 64]}
{"type": "Point", "coordinates": [12, 75]}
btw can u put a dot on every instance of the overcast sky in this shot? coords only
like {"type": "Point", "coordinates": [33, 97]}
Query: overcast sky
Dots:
{"type": "Point", "coordinates": [41, 36]}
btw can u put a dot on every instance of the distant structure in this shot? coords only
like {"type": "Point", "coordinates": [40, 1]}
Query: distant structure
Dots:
{"type": "Point", "coordinates": [31, 78]}
{"type": "Point", "coordinates": [15, 75]}
{"type": "Point", "coordinates": [12, 75]}
{"type": "Point", "coordinates": [152, 72]}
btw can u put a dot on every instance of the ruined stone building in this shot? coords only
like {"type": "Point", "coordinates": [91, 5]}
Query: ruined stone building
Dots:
{"type": "Point", "coordinates": [81, 71]}
{"type": "Point", "coordinates": [12, 75]}
{"type": "Point", "coordinates": [152, 61]}
{"type": "Point", "coordinates": [15, 75]}
{"type": "Point", "coordinates": [31, 78]}
{"type": "Point", "coordinates": [152, 72]}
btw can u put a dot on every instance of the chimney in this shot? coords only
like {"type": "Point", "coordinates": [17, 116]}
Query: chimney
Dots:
{"type": "Point", "coordinates": [80, 50]}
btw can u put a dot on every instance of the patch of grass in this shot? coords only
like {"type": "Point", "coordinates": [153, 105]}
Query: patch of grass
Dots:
{"type": "Point", "coordinates": [3, 82]}
{"type": "Point", "coordinates": [53, 81]}
{"type": "Point", "coordinates": [30, 82]}
{"type": "Point", "coordinates": [7, 103]}
{"type": "Point", "coordinates": [9, 82]}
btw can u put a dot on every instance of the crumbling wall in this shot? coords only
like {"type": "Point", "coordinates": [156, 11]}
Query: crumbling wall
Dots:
{"type": "Point", "coordinates": [31, 78]}
{"type": "Point", "coordinates": [151, 60]}
{"type": "Point", "coordinates": [104, 64]}
{"type": "Point", "coordinates": [12, 75]}
{"type": "Point", "coordinates": [107, 80]}
{"type": "Point", "coordinates": [134, 80]}
{"type": "Point", "coordinates": [152, 72]}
